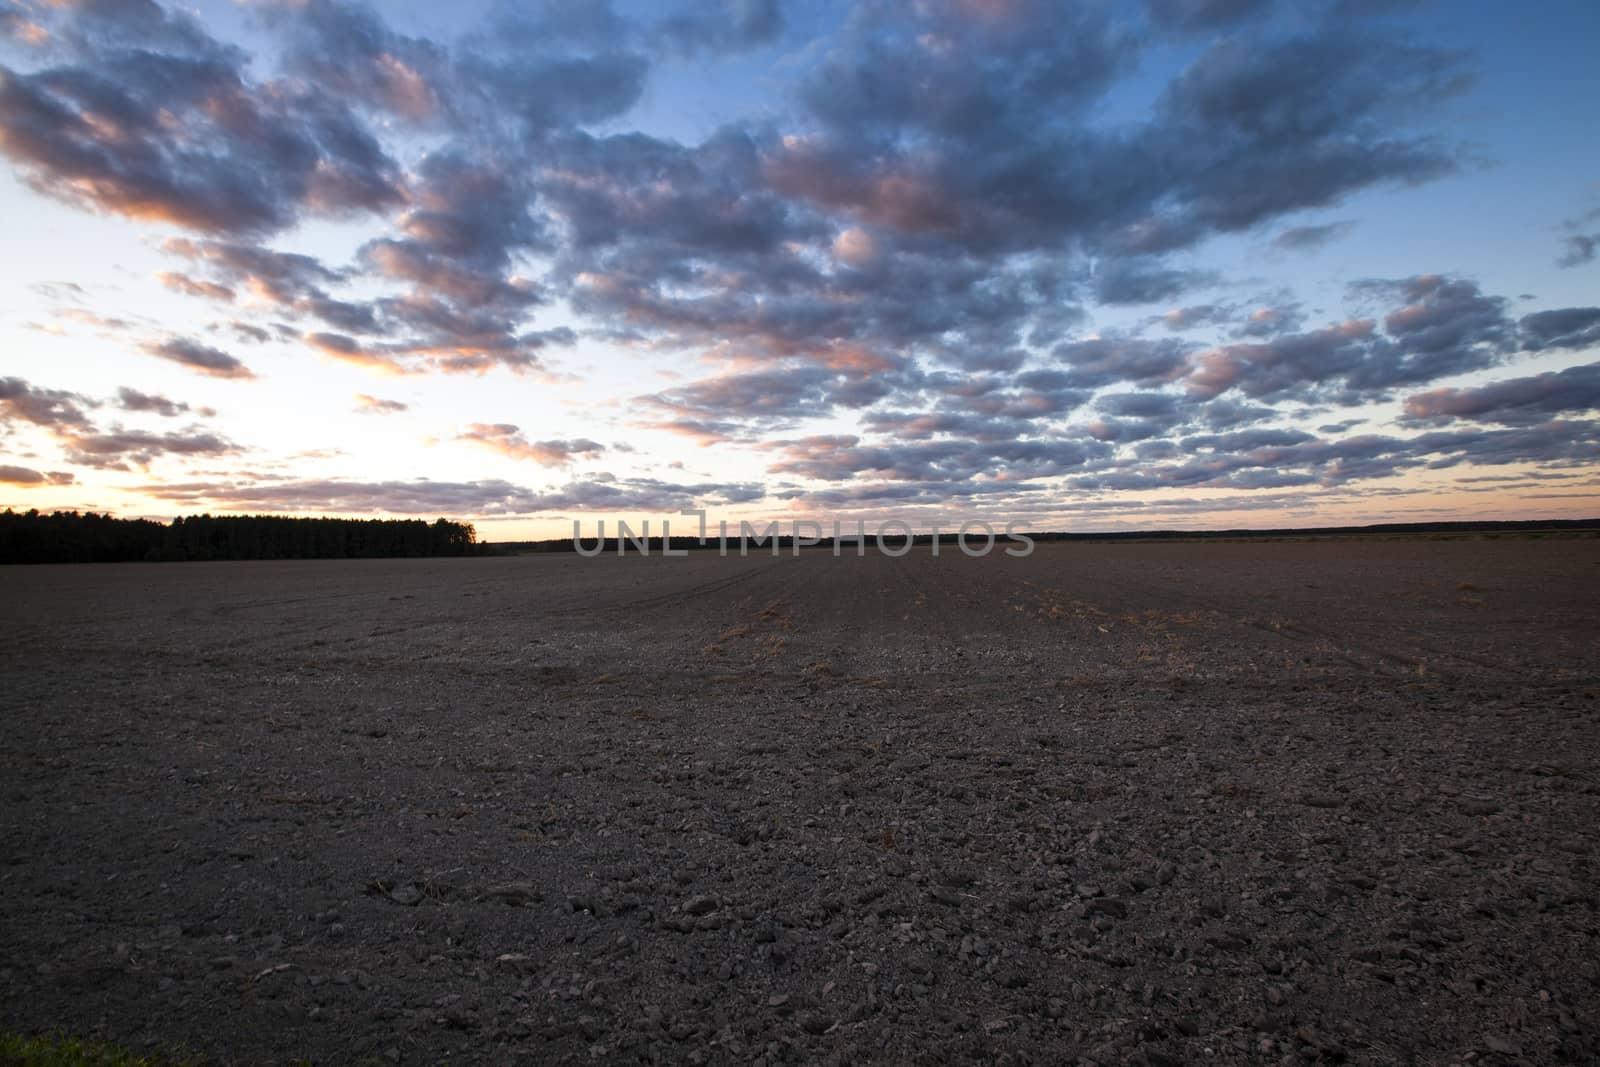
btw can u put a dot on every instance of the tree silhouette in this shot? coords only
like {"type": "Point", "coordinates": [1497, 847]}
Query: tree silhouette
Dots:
{"type": "Point", "coordinates": [70, 537]}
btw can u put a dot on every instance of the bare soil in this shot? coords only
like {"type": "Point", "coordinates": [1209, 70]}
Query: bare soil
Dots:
{"type": "Point", "coordinates": [1110, 803]}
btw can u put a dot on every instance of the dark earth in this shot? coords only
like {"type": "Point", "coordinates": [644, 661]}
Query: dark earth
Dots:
{"type": "Point", "coordinates": [1332, 801]}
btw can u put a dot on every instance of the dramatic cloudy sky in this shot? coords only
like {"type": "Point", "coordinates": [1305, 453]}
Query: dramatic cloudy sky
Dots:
{"type": "Point", "coordinates": [1086, 265]}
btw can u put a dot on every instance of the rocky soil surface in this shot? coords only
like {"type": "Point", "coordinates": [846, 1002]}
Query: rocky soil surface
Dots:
{"type": "Point", "coordinates": [1129, 803]}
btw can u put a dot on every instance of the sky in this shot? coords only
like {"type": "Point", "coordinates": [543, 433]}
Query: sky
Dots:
{"type": "Point", "coordinates": [1148, 264]}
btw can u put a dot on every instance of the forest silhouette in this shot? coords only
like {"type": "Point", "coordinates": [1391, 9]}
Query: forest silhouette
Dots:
{"type": "Point", "coordinates": [73, 537]}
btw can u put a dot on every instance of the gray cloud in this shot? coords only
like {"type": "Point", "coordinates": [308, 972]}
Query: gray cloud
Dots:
{"type": "Point", "coordinates": [62, 415]}
{"type": "Point", "coordinates": [1107, 361]}
{"type": "Point", "coordinates": [151, 118]}
{"type": "Point", "coordinates": [1580, 248]}
{"type": "Point", "coordinates": [1125, 429]}
{"type": "Point", "coordinates": [1140, 405]}
{"type": "Point", "coordinates": [53, 409]}
{"type": "Point", "coordinates": [245, 331]}
{"type": "Point", "coordinates": [1138, 281]}
{"type": "Point", "coordinates": [28, 477]}
{"type": "Point", "coordinates": [1270, 321]}
{"type": "Point", "coordinates": [1373, 8]}
{"type": "Point", "coordinates": [291, 281]}
{"type": "Point", "coordinates": [285, 278]}
{"type": "Point", "coordinates": [723, 26]}
{"type": "Point", "coordinates": [1575, 328]}
{"type": "Point", "coordinates": [1284, 458]}
{"type": "Point", "coordinates": [1516, 400]}
{"type": "Point", "coordinates": [847, 458]}
{"type": "Point", "coordinates": [1189, 318]}
{"type": "Point", "coordinates": [1442, 326]}
{"type": "Point", "coordinates": [466, 308]}
{"type": "Point", "coordinates": [776, 396]}
{"type": "Point", "coordinates": [1308, 238]}
{"type": "Point", "coordinates": [179, 282]}
{"type": "Point", "coordinates": [1340, 427]}
{"type": "Point", "coordinates": [1201, 14]}
{"type": "Point", "coordinates": [198, 357]}
{"type": "Point", "coordinates": [423, 497]}
{"type": "Point", "coordinates": [339, 495]}
{"type": "Point", "coordinates": [120, 449]}
{"type": "Point", "coordinates": [134, 400]}
{"type": "Point", "coordinates": [347, 49]}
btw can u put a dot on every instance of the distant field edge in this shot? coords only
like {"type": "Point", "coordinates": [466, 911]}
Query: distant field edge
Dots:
{"type": "Point", "coordinates": [72, 538]}
{"type": "Point", "coordinates": [1487, 529]}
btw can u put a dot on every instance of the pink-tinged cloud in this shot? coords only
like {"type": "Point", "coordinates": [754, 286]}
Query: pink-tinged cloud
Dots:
{"type": "Point", "coordinates": [347, 349]}
{"type": "Point", "coordinates": [196, 145]}
{"type": "Point", "coordinates": [405, 89]}
{"type": "Point", "coordinates": [508, 440]}
{"type": "Point", "coordinates": [894, 199]}
{"type": "Point", "coordinates": [702, 432]}
{"type": "Point", "coordinates": [182, 283]}
{"type": "Point", "coordinates": [854, 246]}
{"type": "Point", "coordinates": [1515, 400]}
{"type": "Point", "coordinates": [372, 405]}
{"type": "Point", "coordinates": [1281, 364]}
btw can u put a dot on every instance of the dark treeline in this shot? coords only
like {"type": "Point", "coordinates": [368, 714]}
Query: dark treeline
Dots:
{"type": "Point", "coordinates": [1384, 529]}
{"type": "Point", "coordinates": [70, 537]}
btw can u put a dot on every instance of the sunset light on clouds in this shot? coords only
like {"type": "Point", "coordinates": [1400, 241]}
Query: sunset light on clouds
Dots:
{"type": "Point", "coordinates": [1098, 265]}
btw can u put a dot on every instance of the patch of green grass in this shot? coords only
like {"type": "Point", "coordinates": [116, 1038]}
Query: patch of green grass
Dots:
{"type": "Point", "coordinates": [61, 1050]}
